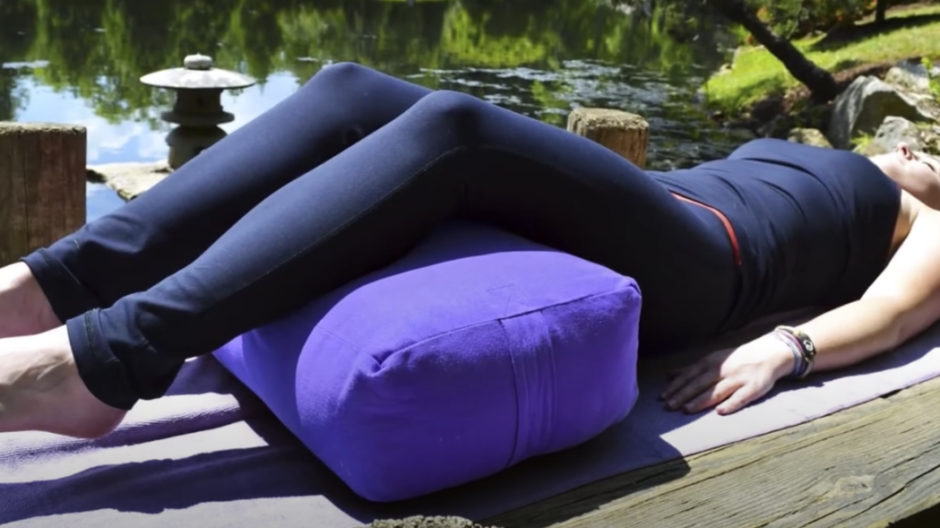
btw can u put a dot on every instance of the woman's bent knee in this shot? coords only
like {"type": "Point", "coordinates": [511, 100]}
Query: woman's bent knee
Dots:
{"type": "Point", "coordinates": [342, 75]}
{"type": "Point", "coordinates": [454, 111]}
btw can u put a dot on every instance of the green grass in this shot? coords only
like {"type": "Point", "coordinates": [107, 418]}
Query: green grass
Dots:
{"type": "Point", "coordinates": [756, 73]}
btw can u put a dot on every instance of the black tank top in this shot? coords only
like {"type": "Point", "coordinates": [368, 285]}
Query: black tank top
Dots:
{"type": "Point", "coordinates": [813, 226]}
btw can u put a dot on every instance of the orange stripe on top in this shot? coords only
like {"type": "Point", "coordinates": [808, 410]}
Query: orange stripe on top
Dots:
{"type": "Point", "coordinates": [724, 221]}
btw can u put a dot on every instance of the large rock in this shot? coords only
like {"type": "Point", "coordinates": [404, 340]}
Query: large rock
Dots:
{"type": "Point", "coordinates": [863, 107]}
{"type": "Point", "coordinates": [893, 131]}
{"type": "Point", "coordinates": [928, 106]}
{"type": "Point", "coordinates": [911, 75]}
{"type": "Point", "coordinates": [931, 138]}
{"type": "Point", "coordinates": [129, 180]}
{"type": "Point", "coordinates": [809, 136]}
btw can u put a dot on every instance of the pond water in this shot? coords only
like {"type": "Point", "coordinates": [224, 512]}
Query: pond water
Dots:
{"type": "Point", "coordinates": [79, 61]}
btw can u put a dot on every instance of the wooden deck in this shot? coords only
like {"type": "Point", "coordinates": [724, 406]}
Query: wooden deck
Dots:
{"type": "Point", "coordinates": [868, 466]}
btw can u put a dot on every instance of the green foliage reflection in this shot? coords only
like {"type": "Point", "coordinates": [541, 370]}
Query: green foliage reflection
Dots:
{"type": "Point", "coordinates": [98, 49]}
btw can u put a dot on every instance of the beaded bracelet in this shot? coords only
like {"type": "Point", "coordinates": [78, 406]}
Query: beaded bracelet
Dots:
{"type": "Point", "coordinates": [807, 348]}
{"type": "Point", "coordinates": [799, 362]}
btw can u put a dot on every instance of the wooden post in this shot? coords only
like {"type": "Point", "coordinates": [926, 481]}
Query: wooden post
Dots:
{"type": "Point", "coordinates": [625, 133]}
{"type": "Point", "coordinates": [42, 185]}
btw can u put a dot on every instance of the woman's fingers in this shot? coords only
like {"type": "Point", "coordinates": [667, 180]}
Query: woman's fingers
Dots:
{"type": "Point", "coordinates": [718, 380]}
{"type": "Point", "coordinates": [675, 380]}
{"type": "Point", "coordinates": [748, 393]}
{"type": "Point", "coordinates": [703, 380]}
{"type": "Point", "coordinates": [720, 392]}
{"type": "Point", "coordinates": [680, 378]}
{"type": "Point", "coordinates": [674, 373]}
{"type": "Point", "coordinates": [680, 375]}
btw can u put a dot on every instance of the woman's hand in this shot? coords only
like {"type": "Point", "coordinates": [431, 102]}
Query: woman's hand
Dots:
{"type": "Point", "coordinates": [729, 379]}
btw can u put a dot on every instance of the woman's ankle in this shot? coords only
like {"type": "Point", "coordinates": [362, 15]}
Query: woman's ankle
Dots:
{"type": "Point", "coordinates": [24, 308]}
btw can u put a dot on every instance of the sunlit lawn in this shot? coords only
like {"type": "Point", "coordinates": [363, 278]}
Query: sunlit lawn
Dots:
{"type": "Point", "coordinates": [756, 73]}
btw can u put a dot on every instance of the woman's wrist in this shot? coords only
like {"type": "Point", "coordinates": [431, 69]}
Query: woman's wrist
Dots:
{"type": "Point", "coordinates": [802, 346]}
{"type": "Point", "coordinates": [778, 355]}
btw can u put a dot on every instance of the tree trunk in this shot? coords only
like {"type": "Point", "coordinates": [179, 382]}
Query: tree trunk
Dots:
{"type": "Point", "coordinates": [880, 11]}
{"type": "Point", "coordinates": [820, 82]}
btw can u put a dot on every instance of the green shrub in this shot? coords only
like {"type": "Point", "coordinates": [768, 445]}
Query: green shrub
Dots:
{"type": "Point", "coordinates": [798, 18]}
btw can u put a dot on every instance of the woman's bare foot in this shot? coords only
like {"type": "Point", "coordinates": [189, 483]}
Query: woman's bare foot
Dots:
{"type": "Point", "coordinates": [40, 389]}
{"type": "Point", "coordinates": [24, 309]}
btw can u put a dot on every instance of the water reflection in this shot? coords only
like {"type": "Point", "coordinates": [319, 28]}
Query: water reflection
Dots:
{"type": "Point", "coordinates": [79, 61]}
{"type": "Point", "coordinates": [101, 201]}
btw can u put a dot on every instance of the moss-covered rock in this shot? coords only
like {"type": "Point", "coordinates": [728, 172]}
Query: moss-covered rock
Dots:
{"type": "Point", "coordinates": [894, 130]}
{"type": "Point", "coordinates": [809, 136]}
{"type": "Point", "coordinates": [863, 107]}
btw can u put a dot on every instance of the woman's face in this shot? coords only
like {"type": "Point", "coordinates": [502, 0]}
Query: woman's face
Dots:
{"type": "Point", "coordinates": [909, 167]}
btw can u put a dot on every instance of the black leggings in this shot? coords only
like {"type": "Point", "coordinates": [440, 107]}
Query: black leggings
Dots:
{"type": "Point", "coordinates": [338, 180]}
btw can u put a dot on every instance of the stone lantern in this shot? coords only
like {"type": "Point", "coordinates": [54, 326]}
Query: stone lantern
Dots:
{"type": "Point", "coordinates": [198, 109]}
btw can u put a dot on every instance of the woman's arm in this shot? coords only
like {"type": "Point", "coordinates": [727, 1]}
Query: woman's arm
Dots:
{"type": "Point", "coordinates": [902, 302]}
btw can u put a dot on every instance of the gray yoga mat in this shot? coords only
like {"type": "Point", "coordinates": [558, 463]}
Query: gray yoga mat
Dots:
{"type": "Point", "coordinates": [210, 455]}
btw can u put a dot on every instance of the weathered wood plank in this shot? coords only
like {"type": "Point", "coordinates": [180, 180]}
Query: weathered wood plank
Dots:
{"type": "Point", "coordinates": [42, 185]}
{"type": "Point", "coordinates": [13, 240]}
{"type": "Point", "coordinates": [871, 465]}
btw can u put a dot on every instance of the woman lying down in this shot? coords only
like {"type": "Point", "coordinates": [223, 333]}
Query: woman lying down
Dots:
{"type": "Point", "coordinates": [357, 167]}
